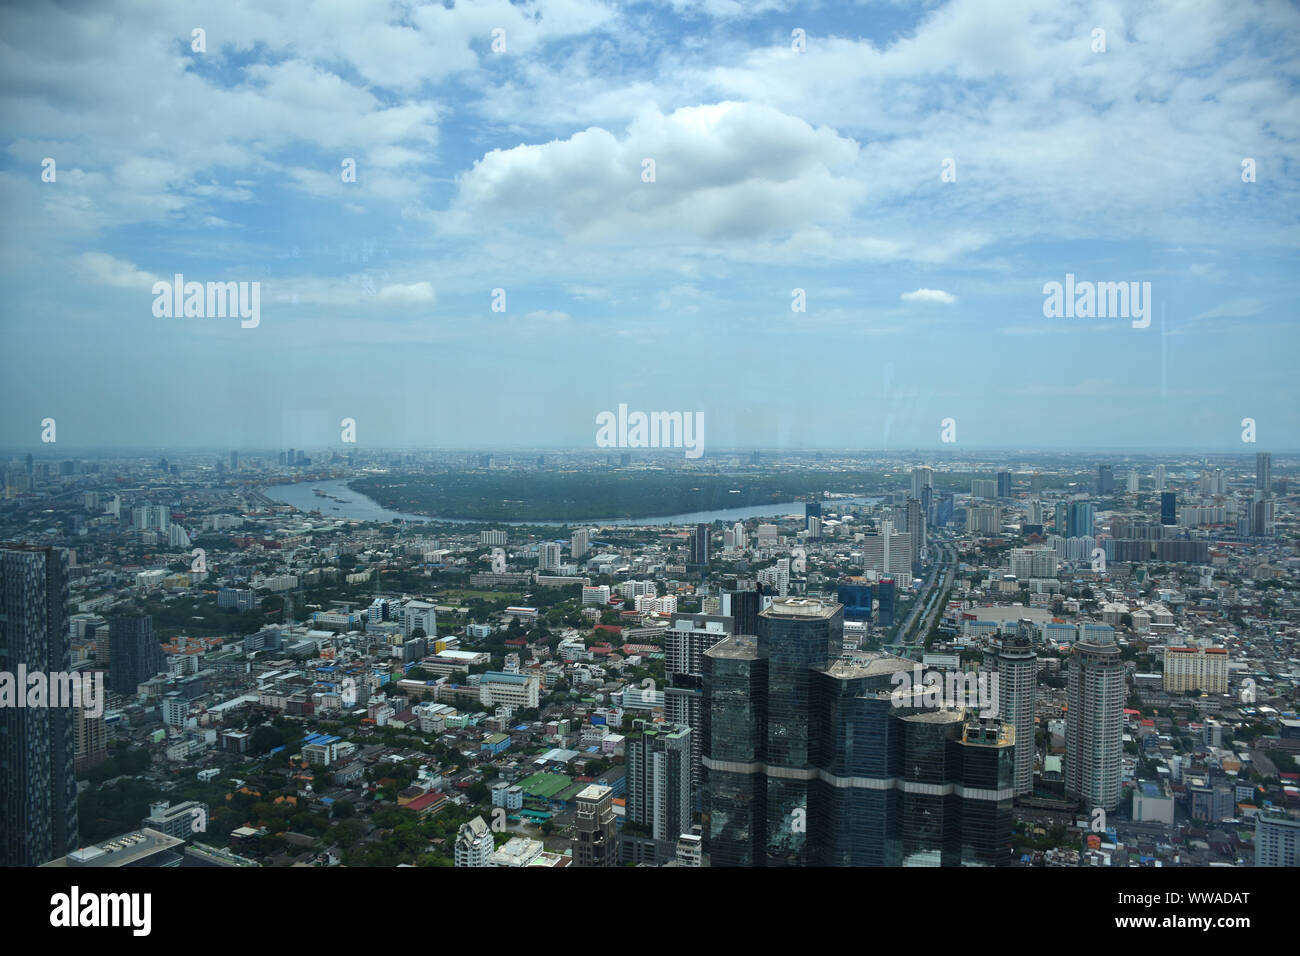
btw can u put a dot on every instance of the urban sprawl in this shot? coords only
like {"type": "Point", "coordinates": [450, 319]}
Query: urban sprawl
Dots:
{"type": "Point", "coordinates": [292, 685]}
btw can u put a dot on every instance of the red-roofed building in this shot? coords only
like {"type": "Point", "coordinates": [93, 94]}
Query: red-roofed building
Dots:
{"type": "Point", "coordinates": [428, 805]}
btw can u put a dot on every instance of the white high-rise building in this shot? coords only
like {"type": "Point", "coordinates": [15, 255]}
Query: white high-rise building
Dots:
{"type": "Point", "coordinates": [649, 604]}
{"type": "Point", "coordinates": [1029, 563]}
{"type": "Point", "coordinates": [630, 589]}
{"type": "Point", "coordinates": [548, 556]}
{"type": "Point", "coordinates": [1133, 482]}
{"type": "Point", "coordinates": [595, 594]}
{"type": "Point", "coordinates": [579, 543]}
{"type": "Point", "coordinates": [742, 539]}
{"type": "Point", "coordinates": [513, 690]}
{"type": "Point", "coordinates": [160, 518]}
{"type": "Point", "coordinates": [474, 844]}
{"type": "Point", "coordinates": [1017, 697]}
{"type": "Point", "coordinates": [421, 614]}
{"type": "Point", "coordinates": [1277, 840]}
{"type": "Point", "coordinates": [1160, 477]}
{"type": "Point", "coordinates": [1196, 668]}
{"type": "Point", "coordinates": [887, 552]}
{"type": "Point", "coordinates": [984, 519]}
{"type": "Point", "coordinates": [778, 577]}
{"type": "Point", "coordinates": [1094, 722]}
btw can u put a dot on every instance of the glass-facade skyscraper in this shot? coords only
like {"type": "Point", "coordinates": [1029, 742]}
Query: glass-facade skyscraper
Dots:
{"type": "Point", "coordinates": [885, 594]}
{"type": "Point", "coordinates": [1081, 518]}
{"type": "Point", "coordinates": [1105, 480]}
{"type": "Point", "coordinates": [744, 607]}
{"type": "Point", "coordinates": [700, 545]}
{"type": "Point", "coordinates": [797, 636]}
{"type": "Point", "coordinates": [38, 812]}
{"type": "Point", "coordinates": [1264, 472]}
{"type": "Point", "coordinates": [135, 652]}
{"type": "Point", "coordinates": [856, 599]}
{"type": "Point", "coordinates": [828, 768]}
{"type": "Point", "coordinates": [735, 744]}
{"type": "Point", "coordinates": [1168, 507]}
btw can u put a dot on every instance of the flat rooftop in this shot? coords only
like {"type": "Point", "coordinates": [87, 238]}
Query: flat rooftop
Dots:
{"type": "Point", "coordinates": [869, 664]}
{"type": "Point", "coordinates": [125, 850]}
{"type": "Point", "coordinates": [801, 608]}
{"type": "Point", "coordinates": [737, 647]}
{"type": "Point", "coordinates": [1012, 612]}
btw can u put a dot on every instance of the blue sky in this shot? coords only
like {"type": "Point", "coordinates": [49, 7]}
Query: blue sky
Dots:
{"type": "Point", "coordinates": [775, 170]}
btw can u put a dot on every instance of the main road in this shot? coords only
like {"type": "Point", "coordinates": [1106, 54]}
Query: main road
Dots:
{"type": "Point", "coordinates": [929, 598]}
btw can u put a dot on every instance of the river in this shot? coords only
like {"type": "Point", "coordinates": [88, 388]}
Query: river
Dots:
{"type": "Point", "coordinates": [360, 508]}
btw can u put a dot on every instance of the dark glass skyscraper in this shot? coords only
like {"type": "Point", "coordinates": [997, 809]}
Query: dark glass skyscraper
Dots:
{"type": "Point", "coordinates": [1082, 517]}
{"type": "Point", "coordinates": [135, 652]}
{"type": "Point", "coordinates": [797, 637]}
{"type": "Point", "coordinates": [856, 599]}
{"type": "Point", "coordinates": [735, 748]}
{"type": "Point", "coordinates": [1264, 472]}
{"type": "Point", "coordinates": [885, 783]}
{"type": "Point", "coordinates": [745, 606]}
{"type": "Point", "coordinates": [1168, 507]}
{"type": "Point", "coordinates": [943, 511]}
{"type": "Point", "coordinates": [38, 802]}
{"type": "Point", "coordinates": [885, 594]}
{"type": "Point", "coordinates": [1004, 484]}
{"type": "Point", "coordinates": [1105, 480]}
{"type": "Point", "coordinates": [811, 509]}
{"type": "Point", "coordinates": [700, 544]}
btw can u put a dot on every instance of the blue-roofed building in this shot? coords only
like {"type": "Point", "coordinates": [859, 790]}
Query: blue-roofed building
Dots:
{"type": "Point", "coordinates": [1059, 632]}
{"type": "Point", "coordinates": [1097, 633]}
{"type": "Point", "coordinates": [320, 749]}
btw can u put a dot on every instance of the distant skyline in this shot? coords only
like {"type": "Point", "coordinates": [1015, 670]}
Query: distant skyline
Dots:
{"type": "Point", "coordinates": [923, 455]}
{"type": "Point", "coordinates": [920, 172]}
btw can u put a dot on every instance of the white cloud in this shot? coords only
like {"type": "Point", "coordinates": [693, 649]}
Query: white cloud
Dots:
{"type": "Point", "coordinates": [721, 171]}
{"type": "Point", "coordinates": [929, 295]}
{"type": "Point", "coordinates": [103, 269]}
{"type": "Point", "coordinates": [417, 293]}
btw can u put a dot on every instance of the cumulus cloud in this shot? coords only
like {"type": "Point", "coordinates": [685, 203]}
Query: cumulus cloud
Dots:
{"type": "Point", "coordinates": [718, 171]}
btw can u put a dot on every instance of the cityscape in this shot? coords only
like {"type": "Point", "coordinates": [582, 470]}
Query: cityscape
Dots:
{"type": "Point", "coordinates": [653, 435]}
{"type": "Point", "coordinates": [977, 661]}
